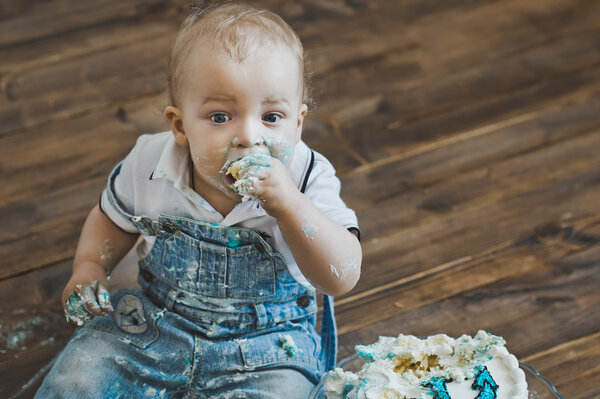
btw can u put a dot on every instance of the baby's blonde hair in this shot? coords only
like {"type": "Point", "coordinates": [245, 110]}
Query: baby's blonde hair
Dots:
{"type": "Point", "coordinates": [236, 30]}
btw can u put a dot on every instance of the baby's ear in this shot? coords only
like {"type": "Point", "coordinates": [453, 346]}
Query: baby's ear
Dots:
{"type": "Point", "coordinates": [173, 114]}
{"type": "Point", "coordinates": [301, 114]}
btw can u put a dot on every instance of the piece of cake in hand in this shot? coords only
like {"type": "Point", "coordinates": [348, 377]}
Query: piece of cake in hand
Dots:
{"type": "Point", "coordinates": [436, 367]}
{"type": "Point", "coordinates": [242, 173]}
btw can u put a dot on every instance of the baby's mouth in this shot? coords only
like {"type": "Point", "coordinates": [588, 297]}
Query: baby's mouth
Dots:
{"type": "Point", "coordinates": [229, 179]}
{"type": "Point", "coordinates": [235, 165]}
{"type": "Point", "coordinates": [232, 170]}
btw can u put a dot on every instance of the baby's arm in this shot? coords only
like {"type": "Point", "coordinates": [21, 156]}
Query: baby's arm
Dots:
{"type": "Point", "coordinates": [102, 245]}
{"type": "Point", "coordinates": [328, 255]}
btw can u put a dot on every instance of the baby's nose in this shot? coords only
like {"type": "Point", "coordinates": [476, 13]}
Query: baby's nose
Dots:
{"type": "Point", "coordinates": [248, 136]}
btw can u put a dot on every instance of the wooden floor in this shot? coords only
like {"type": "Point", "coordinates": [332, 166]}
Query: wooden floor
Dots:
{"type": "Point", "coordinates": [466, 135]}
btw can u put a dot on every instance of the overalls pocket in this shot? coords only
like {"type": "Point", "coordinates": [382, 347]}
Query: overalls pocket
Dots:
{"type": "Point", "coordinates": [251, 273]}
{"type": "Point", "coordinates": [282, 349]}
{"type": "Point", "coordinates": [132, 320]}
{"type": "Point", "coordinates": [216, 270]}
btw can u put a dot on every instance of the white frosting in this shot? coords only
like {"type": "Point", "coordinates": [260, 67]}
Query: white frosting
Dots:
{"type": "Point", "coordinates": [398, 368]}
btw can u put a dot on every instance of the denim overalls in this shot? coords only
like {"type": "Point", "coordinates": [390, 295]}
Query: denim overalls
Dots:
{"type": "Point", "coordinates": [218, 315]}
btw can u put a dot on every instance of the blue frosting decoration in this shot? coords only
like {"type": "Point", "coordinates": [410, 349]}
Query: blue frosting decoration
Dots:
{"type": "Point", "coordinates": [438, 385]}
{"type": "Point", "coordinates": [234, 240]}
{"type": "Point", "coordinates": [485, 384]}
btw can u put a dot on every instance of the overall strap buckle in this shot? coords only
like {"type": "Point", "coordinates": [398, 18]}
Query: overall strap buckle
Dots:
{"type": "Point", "coordinates": [145, 225]}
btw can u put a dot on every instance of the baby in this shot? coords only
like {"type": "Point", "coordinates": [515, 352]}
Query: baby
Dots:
{"type": "Point", "coordinates": [241, 224]}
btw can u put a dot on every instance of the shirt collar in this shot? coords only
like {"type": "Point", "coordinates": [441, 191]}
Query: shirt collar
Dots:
{"type": "Point", "coordinates": [174, 165]}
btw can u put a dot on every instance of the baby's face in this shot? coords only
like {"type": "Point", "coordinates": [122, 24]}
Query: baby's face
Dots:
{"type": "Point", "coordinates": [229, 109]}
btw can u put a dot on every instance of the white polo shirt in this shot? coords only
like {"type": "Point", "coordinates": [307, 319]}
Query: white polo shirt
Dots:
{"type": "Point", "coordinates": [155, 179]}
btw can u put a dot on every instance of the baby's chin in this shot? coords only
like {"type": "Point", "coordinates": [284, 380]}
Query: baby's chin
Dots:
{"type": "Point", "coordinates": [228, 190]}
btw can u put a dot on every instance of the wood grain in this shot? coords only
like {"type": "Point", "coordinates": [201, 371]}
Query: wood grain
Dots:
{"type": "Point", "coordinates": [465, 133]}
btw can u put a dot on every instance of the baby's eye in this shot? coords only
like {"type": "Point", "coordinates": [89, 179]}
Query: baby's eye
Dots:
{"type": "Point", "coordinates": [271, 118]}
{"type": "Point", "coordinates": [219, 117]}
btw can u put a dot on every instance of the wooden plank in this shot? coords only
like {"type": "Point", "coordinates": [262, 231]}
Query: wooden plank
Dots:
{"type": "Point", "coordinates": [68, 152]}
{"type": "Point", "coordinates": [79, 44]}
{"type": "Point", "coordinates": [24, 374]}
{"type": "Point", "coordinates": [443, 239]}
{"type": "Point", "coordinates": [40, 20]}
{"type": "Point", "coordinates": [44, 230]}
{"type": "Point", "coordinates": [454, 192]}
{"type": "Point", "coordinates": [366, 45]}
{"type": "Point", "coordinates": [110, 133]}
{"type": "Point", "coordinates": [568, 250]}
{"type": "Point", "coordinates": [488, 151]}
{"type": "Point", "coordinates": [63, 90]}
{"type": "Point", "coordinates": [68, 85]}
{"type": "Point", "coordinates": [33, 327]}
{"type": "Point", "coordinates": [409, 247]}
{"type": "Point", "coordinates": [451, 207]}
{"type": "Point", "coordinates": [442, 283]}
{"type": "Point", "coordinates": [338, 125]}
{"type": "Point", "coordinates": [418, 114]}
{"type": "Point", "coordinates": [389, 137]}
{"type": "Point", "coordinates": [449, 42]}
{"type": "Point", "coordinates": [137, 60]}
{"type": "Point", "coordinates": [579, 358]}
{"type": "Point", "coordinates": [412, 109]}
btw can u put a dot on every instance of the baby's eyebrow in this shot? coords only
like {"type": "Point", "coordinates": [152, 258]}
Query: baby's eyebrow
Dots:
{"type": "Point", "coordinates": [275, 100]}
{"type": "Point", "coordinates": [222, 99]}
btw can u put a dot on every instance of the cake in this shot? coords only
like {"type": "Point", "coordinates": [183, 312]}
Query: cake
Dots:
{"type": "Point", "coordinates": [436, 367]}
{"type": "Point", "coordinates": [252, 163]}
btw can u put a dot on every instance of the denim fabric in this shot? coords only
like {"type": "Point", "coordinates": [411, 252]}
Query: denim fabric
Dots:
{"type": "Point", "coordinates": [228, 279]}
{"type": "Point", "coordinates": [218, 315]}
{"type": "Point", "coordinates": [173, 359]}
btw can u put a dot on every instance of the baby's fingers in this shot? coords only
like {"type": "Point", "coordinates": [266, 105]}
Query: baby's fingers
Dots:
{"type": "Point", "coordinates": [104, 299]}
{"type": "Point", "coordinates": [252, 172]}
{"type": "Point", "coordinates": [75, 309]}
{"type": "Point", "coordinates": [97, 299]}
{"type": "Point", "coordinates": [88, 296]}
{"type": "Point", "coordinates": [86, 302]}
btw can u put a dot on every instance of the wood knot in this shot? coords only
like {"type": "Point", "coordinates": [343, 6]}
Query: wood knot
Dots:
{"type": "Point", "coordinates": [121, 114]}
{"type": "Point", "coordinates": [552, 231]}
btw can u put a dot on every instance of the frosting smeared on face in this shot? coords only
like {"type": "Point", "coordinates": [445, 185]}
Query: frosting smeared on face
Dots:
{"type": "Point", "coordinates": [279, 148]}
{"type": "Point", "coordinates": [241, 171]}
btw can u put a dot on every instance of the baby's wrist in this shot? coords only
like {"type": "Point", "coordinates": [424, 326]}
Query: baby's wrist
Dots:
{"type": "Point", "coordinates": [291, 208]}
{"type": "Point", "coordinates": [89, 269]}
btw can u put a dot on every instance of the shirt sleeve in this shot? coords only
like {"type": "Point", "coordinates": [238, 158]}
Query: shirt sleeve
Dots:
{"type": "Point", "coordinates": [118, 198]}
{"type": "Point", "coordinates": [323, 188]}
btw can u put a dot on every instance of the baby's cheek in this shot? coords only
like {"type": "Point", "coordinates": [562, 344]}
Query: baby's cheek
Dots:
{"type": "Point", "coordinates": [280, 148]}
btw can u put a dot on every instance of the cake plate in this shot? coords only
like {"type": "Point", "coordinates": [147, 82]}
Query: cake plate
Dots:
{"type": "Point", "coordinates": [537, 385]}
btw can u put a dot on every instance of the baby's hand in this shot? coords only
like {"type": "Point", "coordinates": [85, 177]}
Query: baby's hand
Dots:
{"type": "Point", "coordinates": [83, 299]}
{"type": "Point", "coordinates": [269, 181]}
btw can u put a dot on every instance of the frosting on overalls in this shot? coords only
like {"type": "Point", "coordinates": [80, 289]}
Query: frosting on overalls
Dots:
{"type": "Point", "coordinates": [231, 283]}
{"type": "Point", "coordinates": [218, 311]}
